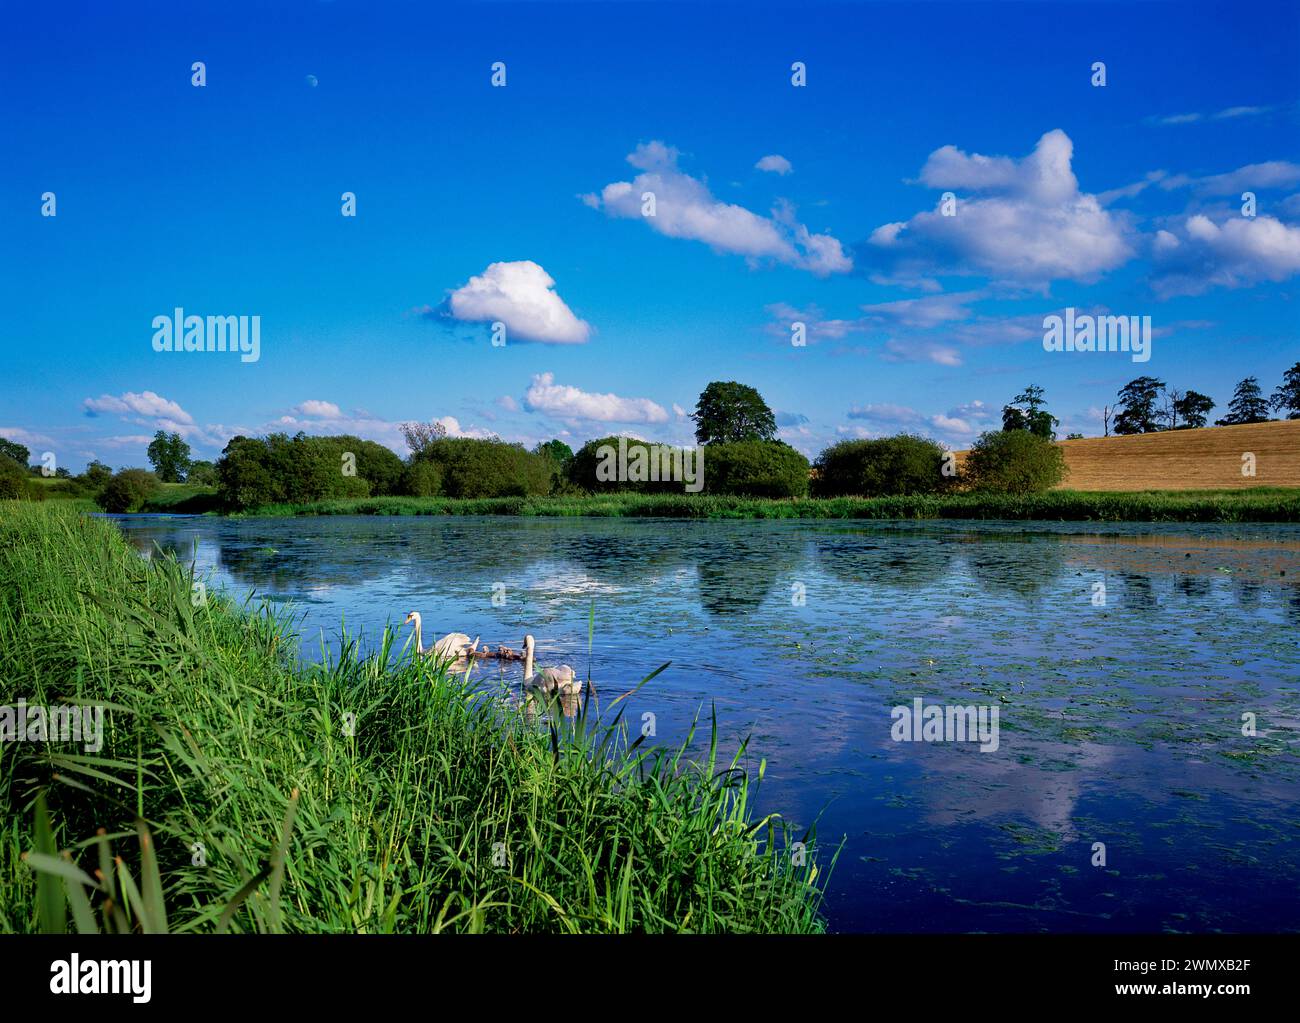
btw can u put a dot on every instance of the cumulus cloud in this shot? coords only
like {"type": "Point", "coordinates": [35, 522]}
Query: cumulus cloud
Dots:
{"type": "Point", "coordinates": [521, 295]}
{"type": "Point", "coordinates": [566, 402]}
{"type": "Point", "coordinates": [685, 208]}
{"type": "Point", "coordinates": [1028, 222]}
{"type": "Point", "coordinates": [314, 409]}
{"type": "Point", "coordinates": [774, 164]}
{"type": "Point", "coordinates": [145, 404]}
{"type": "Point", "coordinates": [1238, 252]}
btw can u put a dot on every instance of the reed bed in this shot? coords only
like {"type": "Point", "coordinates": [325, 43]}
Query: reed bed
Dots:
{"type": "Point", "coordinates": [233, 793]}
{"type": "Point", "coordinates": [1261, 505]}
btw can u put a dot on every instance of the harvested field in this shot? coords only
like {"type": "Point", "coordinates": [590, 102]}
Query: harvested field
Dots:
{"type": "Point", "coordinates": [1208, 459]}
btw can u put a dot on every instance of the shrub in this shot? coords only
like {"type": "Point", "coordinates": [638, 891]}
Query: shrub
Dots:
{"type": "Point", "coordinates": [422, 479]}
{"type": "Point", "coordinates": [127, 491]}
{"type": "Point", "coordinates": [905, 464]}
{"type": "Point", "coordinates": [755, 468]}
{"type": "Point", "coordinates": [202, 474]}
{"type": "Point", "coordinates": [486, 468]}
{"type": "Point", "coordinates": [584, 473]}
{"type": "Point", "coordinates": [13, 479]}
{"type": "Point", "coordinates": [279, 469]}
{"type": "Point", "coordinates": [1014, 462]}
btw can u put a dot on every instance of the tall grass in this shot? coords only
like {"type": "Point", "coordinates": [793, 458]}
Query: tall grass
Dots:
{"type": "Point", "coordinates": [228, 784]}
{"type": "Point", "coordinates": [1256, 505]}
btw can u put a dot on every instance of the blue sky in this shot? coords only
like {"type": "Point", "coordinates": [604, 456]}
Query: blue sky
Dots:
{"type": "Point", "coordinates": [225, 200]}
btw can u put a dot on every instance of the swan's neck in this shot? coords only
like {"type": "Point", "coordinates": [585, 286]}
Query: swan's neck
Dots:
{"type": "Point", "coordinates": [528, 663]}
{"type": "Point", "coordinates": [419, 646]}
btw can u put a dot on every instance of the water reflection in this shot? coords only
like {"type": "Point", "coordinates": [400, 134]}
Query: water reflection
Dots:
{"type": "Point", "coordinates": [1121, 720]}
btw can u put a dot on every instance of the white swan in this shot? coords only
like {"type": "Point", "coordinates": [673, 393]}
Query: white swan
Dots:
{"type": "Point", "coordinates": [560, 679]}
{"type": "Point", "coordinates": [453, 646]}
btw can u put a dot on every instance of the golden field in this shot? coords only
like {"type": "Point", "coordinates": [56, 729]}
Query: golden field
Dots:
{"type": "Point", "coordinates": [1208, 459]}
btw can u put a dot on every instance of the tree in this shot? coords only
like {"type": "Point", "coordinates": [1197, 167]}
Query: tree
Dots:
{"type": "Point", "coordinates": [1015, 462]}
{"type": "Point", "coordinates": [1287, 397]}
{"type": "Point", "coordinates": [1248, 405]}
{"type": "Point", "coordinates": [1137, 406]}
{"type": "Point", "coordinates": [170, 456]}
{"type": "Point", "coordinates": [904, 464]}
{"type": "Point", "coordinates": [1032, 417]}
{"type": "Point", "coordinates": [1169, 410]}
{"type": "Point", "coordinates": [96, 474]}
{"type": "Point", "coordinates": [757, 468]}
{"type": "Point", "coordinates": [728, 412]}
{"type": "Point", "coordinates": [127, 491]}
{"type": "Point", "coordinates": [12, 449]}
{"type": "Point", "coordinates": [201, 473]}
{"type": "Point", "coordinates": [420, 435]}
{"type": "Point", "coordinates": [1193, 408]}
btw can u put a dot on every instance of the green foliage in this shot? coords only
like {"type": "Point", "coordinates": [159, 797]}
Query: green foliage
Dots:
{"type": "Point", "coordinates": [486, 468]}
{"type": "Point", "coordinates": [279, 468]}
{"type": "Point", "coordinates": [127, 491]}
{"type": "Point", "coordinates": [593, 468]}
{"type": "Point", "coordinates": [1136, 411]}
{"type": "Point", "coordinates": [423, 479]}
{"type": "Point", "coordinates": [202, 473]}
{"type": "Point", "coordinates": [1193, 408]}
{"type": "Point", "coordinates": [756, 468]}
{"type": "Point", "coordinates": [170, 456]}
{"type": "Point", "coordinates": [728, 412]}
{"type": "Point", "coordinates": [96, 475]}
{"type": "Point", "coordinates": [1287, 397]}
{"type": "Point", "coordinates": [904, 464]}
{"type": "Point", "coordinates": [13, 479]}
{"type": "Point", "coordinates": [11, 449]}
{"type": "Point", "coordinates": [1014, 462]}
{"type": "Point", "coordinates": [217, 735]}
{"type": "Point", "coordinates": [1026, 412]}
{"type": "Point", "coordinates": [1257, 504]}
{"type": "Point", "coordinates": [1248, 405]}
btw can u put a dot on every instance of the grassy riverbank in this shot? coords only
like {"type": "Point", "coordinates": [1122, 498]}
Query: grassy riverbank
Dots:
{"type": "Point", "coordinates": [1259, 505]}
{"type": "Point", "coordinates": [443, 810]}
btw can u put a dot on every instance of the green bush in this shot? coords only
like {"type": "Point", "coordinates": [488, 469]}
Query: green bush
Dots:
{"type": "Point", "coordinates": [1014, 462]}
{"type": "Point", "coordinates": [279, 469]}
{"type": "Point", "coordinates": [127, 491]}
{"type": "Point", "coordinates": [13, 479]}
{"type": "Point", "coordinates": [487, 468]}
{"type": "Point", "coordinates": [422, 479]}
{"type": "Point", "coordinates": [585, 475]}
{"type": "Point", "coordinates": [900, 465]}
{"type": "Point", "coordinates": [755, 468]}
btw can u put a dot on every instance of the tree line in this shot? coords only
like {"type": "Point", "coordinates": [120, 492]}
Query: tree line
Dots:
{"type": "Point", "coordinates": [734, 427]}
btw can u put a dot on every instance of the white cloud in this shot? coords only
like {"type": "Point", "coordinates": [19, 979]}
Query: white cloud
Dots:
{"type": "Point", "coordinates": [685, 208]}
{"type": "Point", "coordinates": [1240, 251]}
{"type": "Point", "coordinates": [145, 404]}
{"type": "Point", "coordinates": [774, 164]}
{"type": "Point", "coordinates": [958, 424]}
{"type": "Point", "coordinates": [521, 295]}
{"type": "Point", "coordinates": [1250, 178]}
{"type": "Point", "coordinates": [1030, 222]}
{"type": "Point", "coordinates": [565, 402]}
{"type": "Point", "coordinates": [314, 409]}
{"type": "Point", "coordinates": [508, 403]}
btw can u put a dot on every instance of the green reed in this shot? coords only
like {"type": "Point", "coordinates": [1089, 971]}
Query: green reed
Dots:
{"type": "Point", "coordinates": [235, 791]}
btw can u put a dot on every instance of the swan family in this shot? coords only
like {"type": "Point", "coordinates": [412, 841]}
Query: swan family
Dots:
{"type": "Point", "coordinates": [560, 680]}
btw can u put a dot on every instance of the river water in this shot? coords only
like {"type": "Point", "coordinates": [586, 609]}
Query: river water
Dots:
{"type": "Point", "coordinates": [1125, 662]}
